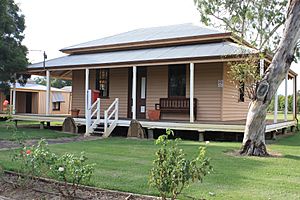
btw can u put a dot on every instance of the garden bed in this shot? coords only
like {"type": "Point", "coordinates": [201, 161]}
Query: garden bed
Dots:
{"type": "Point", "coordinates": [47, 189]}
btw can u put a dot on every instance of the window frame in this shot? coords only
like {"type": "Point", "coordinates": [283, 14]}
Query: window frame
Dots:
{"type": "Point", "coordinates": [54, 107]}
{"type": "Point", "coordinates": [106, 79]}
{"type": "Point", "coordinates": [171, 69]}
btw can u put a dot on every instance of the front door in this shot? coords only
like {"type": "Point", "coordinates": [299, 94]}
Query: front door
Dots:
{"type": "Point", "coordinates": [140, 93]}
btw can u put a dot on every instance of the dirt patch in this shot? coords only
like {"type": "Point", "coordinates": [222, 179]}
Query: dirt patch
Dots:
{"type": "Point", "coordinates": [47, 189]}
{"type": "Point", "coordinates": [236, 153]}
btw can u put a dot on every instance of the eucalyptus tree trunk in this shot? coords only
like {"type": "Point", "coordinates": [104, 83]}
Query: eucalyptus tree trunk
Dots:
{"type": "Point", "coordinates": [254, 136]}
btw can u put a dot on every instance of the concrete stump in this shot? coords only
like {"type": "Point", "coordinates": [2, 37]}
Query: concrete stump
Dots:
{"type": "Point", "coordinates": [150, 134]}
{"type": "Point", "coordinates": [135, 130]}
{"type": "Point", "coordinates": [201, 136]}
{"type": "Point", "coordinates": [69, 125]}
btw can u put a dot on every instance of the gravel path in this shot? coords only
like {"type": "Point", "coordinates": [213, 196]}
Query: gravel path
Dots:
{"type": "Point", "coordinates": [7, 144]}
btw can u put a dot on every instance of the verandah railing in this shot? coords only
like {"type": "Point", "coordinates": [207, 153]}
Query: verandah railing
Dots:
{"type": "Point", "coordinates": [95, 113]}
{"type": "Point", "coordinates": [111, 116]}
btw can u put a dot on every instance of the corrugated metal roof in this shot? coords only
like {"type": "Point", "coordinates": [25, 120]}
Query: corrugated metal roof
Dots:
{"type": "Point", "coordinates": [57, 97]}
{"type": "Point", "coordinates": [67, 88]}
{"type": "Point", "coordinates": [151, 54]}
{"type": "Point", "coordinates": [150, 34]}
{"type": "Point", "coordinates": [32, 86]}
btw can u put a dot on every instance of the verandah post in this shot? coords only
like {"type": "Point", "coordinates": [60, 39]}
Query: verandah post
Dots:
{"type": "Point", "coordinates": [294, 98]}
{"type": "Point", "coordinates": [191, 92]}
{"type": "Point", "coordinates": [48, 89]}
{"type": "Point", "coordinates": [275, 107]}
{"type": "Point", "coordinates": [87, 120]}
{"type": "Point", "coordinates": [286, 97]}
{"type": "Point", "coordinates": [134, 72]}
{"type": "Point", "coordinates": [14, 98]}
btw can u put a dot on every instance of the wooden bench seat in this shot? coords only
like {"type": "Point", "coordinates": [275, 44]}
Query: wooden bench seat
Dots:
{"type": "Point", "coordinates": [176, 105]}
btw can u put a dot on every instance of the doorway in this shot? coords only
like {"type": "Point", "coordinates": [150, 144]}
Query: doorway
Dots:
{"type": "Point", "coordinates": [141, 93]}
{"type": "Point", "coordinates": [28, 102]}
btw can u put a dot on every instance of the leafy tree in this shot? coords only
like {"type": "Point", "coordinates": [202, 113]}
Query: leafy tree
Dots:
{"type": "Point", "coordinates": [13, 59]}
{"type": "Point", "coordinates": [58, 83]}
{"type": "Point", "coordinates": [259, 22]}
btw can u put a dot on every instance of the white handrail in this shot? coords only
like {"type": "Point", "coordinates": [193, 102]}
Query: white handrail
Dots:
{"type": "Point", "coordinates": [90, 116]}
{"type": "Point", "coordinates": [108, 128]}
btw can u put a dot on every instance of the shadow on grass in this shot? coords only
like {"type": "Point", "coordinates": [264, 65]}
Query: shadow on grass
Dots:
{"type": "Point", "coordinates": [293, 157]}
{"type": "Point", "coordinates": [292, 140]}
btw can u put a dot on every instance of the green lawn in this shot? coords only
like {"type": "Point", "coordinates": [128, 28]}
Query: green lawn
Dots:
{"type": "Point", "coordinates": [8, 132]}
{"type": "Point", "coordinates": [280, 116]}
{"type": "Point", "coordinates": [124, 164]}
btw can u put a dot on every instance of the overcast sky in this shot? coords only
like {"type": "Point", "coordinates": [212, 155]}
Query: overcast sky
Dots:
{"type": "Point", "coordinates": [55, 24]}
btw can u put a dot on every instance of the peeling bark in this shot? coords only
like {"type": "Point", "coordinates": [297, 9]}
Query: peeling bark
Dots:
{"type": "Point", "coordinates": [254, 136]}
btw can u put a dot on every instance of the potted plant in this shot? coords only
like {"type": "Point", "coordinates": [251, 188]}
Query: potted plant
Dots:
{"type": "Point", "coordinates": [154, 115]}
{"type": "Point", "coordinates": [75, 112]}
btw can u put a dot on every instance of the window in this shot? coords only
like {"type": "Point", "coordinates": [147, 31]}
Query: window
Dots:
{"type": "Point", "coordinates": [177, 80]}
{"type": "Point", "coordinates": [56, 106]}
{"type": "Point", "coordinates": [102, 82]}
{"type": "Point", "coordinates": [242, 92]}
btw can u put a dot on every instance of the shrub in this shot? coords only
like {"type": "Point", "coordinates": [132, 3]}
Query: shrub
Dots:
{"type": "Point", "coordinates": [35, 160]}
{"type": "Point", "coordinates": [172, 171]}
{"type": "Point", "coordinates": [69, 168]}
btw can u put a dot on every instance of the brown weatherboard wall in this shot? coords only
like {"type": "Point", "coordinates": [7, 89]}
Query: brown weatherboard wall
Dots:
{"type": "Point", "coordinates": [39, 102]}
{"type": "Point", "coordinates": [118, 88]}
{"type": "Point", "coordinates": [232, 108]}
{"type": "Point", "coordinates": [214, 103]}
{"type": "Point", "coordinates": [64, 106]}
{"type": "Point", "coordinates": [206, 90]}
{"type": "Point", "coordinates": [2, 98]}
{"type": "Point", "coordinates": [157, 86]}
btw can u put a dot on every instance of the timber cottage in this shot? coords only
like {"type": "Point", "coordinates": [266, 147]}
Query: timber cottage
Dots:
{"type": "Point", "coordinates": [180, 70]}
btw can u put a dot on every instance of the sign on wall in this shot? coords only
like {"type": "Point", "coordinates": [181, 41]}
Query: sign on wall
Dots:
{"type": "Point", "coordinates": [220, 83]}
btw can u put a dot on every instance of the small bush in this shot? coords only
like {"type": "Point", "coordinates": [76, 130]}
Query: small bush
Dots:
{"type": "Point", "coordinates": [34, 161]}
{"type": "Point", "coordinates": [38, 161]}
{"type": "Point", "coordinates": [72, 169]}
{"type": "Point", "coordinates": [172, 171]}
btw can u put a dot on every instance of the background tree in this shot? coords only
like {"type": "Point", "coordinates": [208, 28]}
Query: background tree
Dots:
{"type": "Point", "coordinates": [260, 22]}
{"type": "Point", "coordinates": [247, 18]}
{"type": "Point", "coordinates": [13, 59]}
{"type": "Point", "coordinates": [58, 83]}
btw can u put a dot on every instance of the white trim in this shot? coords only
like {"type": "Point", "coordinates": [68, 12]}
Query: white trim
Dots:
{"type": "Point", "coordinates": [143, 87]}
{"type": "Point", "coordinates": [14, 98]}
{"type": "Point", "coordinates": [294, 97]}
{"type": "Point", "coordinates": [86, 92]}
{"type": "Point", "coordinates": [48, 89]}
{"type": "Point", "coordinates": [286, 97]}
{"type": "Point", "coordinates": [275, 107]}
{"type": "Point", "coordinates": [192, 92]}
{"type": "Point", "coordinates": [154, 63]}
{"type": "Point", "coordinates": [134, 75]}
{"type": "Point", "coordinates": [161, 125]}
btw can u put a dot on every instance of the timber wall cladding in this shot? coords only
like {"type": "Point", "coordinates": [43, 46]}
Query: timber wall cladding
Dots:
{"type": "Point", "coordinates": [207, 92]}
{"type": "Point", "coordinates": [21, 102]}
{"type": "Point", "coordinates": [118, 88]}
{"type": "Point", "coordinates": [2, 98]}
{"type": "Point", "coordinates": [157, 86]}
{"type": "Point", "coordinates": [64, 106]}
{"type": "Point", "coordinates": [232, 108]}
